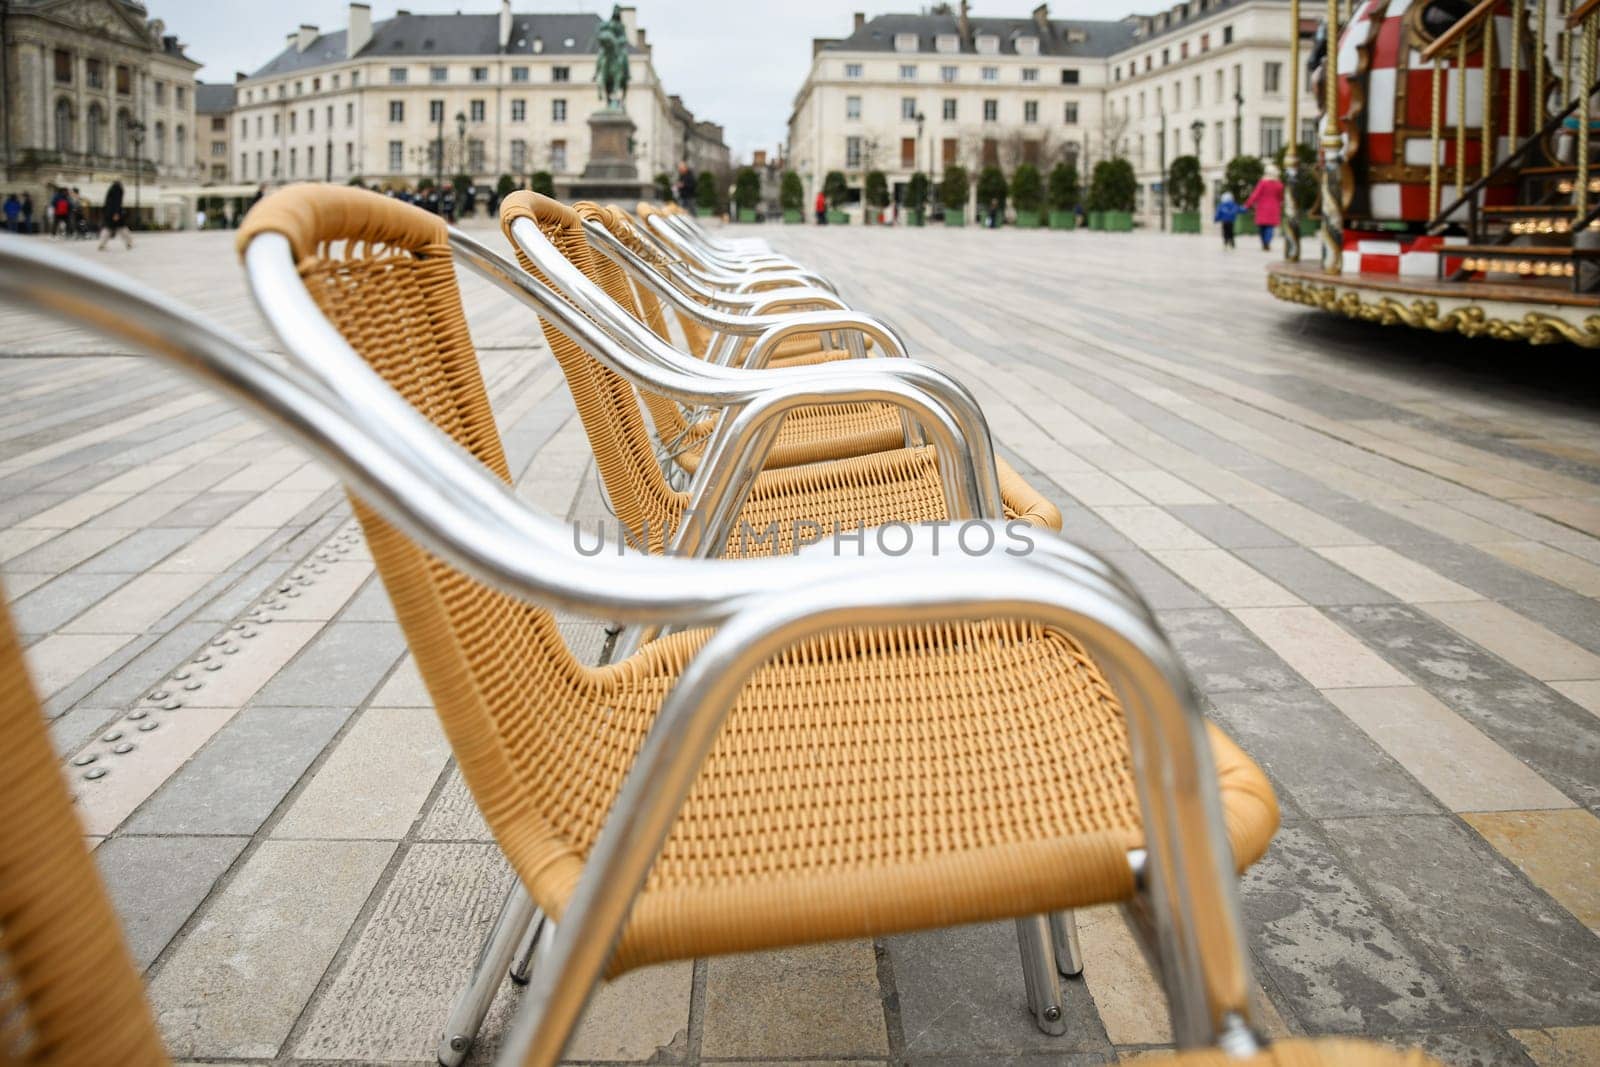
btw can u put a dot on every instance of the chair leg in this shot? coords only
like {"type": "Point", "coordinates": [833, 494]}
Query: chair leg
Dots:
{"type": "Point", "coordinates": [466, 1017]}
{"type": "Point", "coordinates": [1064, 935]}
{"type": "Point", "coordinates": [1039, 974]}
{"type": "Point", "coordinates": [522, 962]}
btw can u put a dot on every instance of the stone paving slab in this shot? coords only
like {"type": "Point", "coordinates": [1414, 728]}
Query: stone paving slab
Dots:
{"type": "Point", "coordinates": [1378, 553]}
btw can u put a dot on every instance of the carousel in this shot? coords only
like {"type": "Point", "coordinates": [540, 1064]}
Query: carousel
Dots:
{"type": "Point", "coordinates": [1455, 169]}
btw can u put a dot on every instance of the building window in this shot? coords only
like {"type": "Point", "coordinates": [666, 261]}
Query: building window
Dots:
{"type": "Point", "coordinates": [397, 156]}
{"type": "Point", "coordinates": [95, 130]}
{"type": "Point", "coordinates": [161, 94]}
{"type": "Point", "coordinates": [94, 74]}
{"type": "Point", "coordinates": [476, 110]}
{"type": "Point", "coordinates": [949, 109]}
{"type": "Point", "coordinates": [852, 152]}
{"type": "Point", "coordinates": [991, 74]}
{"type": "Point", "coordinates": [260, 171]}
{"type": "Point", "coordinates": [1166, 56]}
{"type": "Point", "coordinates": [1030, 111]}
{"type": "Point", "coordinates": [1205, 42]}
{"type": "Point", "coordinates": [349, 157]}
{"type": "Point", "coordinates": [989, 153]}
{"type": "Point", "coordinates": [1069, 114]}
{"type": "Point", "coordinates": [1220, 89]}
{"type": "Point", "coordinates": [1227, 35]}
{"type": "Point", "coordinates": [1217, 136]}
{"type": "Point", "coordinates": [397, 111]}
{"type": "Point", "coordinates": [336, 81]}
{"type": "Point", "coordinates": [355, 79]}
{"type": "Point", "coordinates": [311, 119]}
{"type": "Point", "coordinates": [987, 44]}
{"type": "Point", "coordinates": [316, 85]}
{"type": "Point", "coordinates": [947, 42]}
{"type": "Point", "coordinates": [1030, 74]}
{"type": "Point", "coordinates": [299, 88]}
{"type": "Point", "coordinates": [991, 110]}
{"type": "Point", "coordinates": [244, 129]}
{"type": "Point", "coordinates": [475, 156]}
{"type": "Point", "coordinates": [244, 165]}
{"type": "Point", "coordinates": [124, 133]}
{"type": "Point", "coordinates": [397, 76]}
{"type": "Point", "coordinates": [908, 72]}
{"type": "Point", "coordinates": [949, 151]}
{"type": "Point", "coordinates": [1027, 45]}
{"type": "Point", "coordinates": [293, 166]}
{"type": "Point", "coordinates": [1308, 131]}
{"type": "Point", "coordinates": [558, 156]}
{"type": "Point", "coordinates": [435, 111]}
{"type": "Point", "coordinates": [852, 70]}
{"type": "Point", "coordinates": [1069, 75]}
{"type": "Point", "coordinates": [330, 116]}
{"type": "Point", "coordinates": [519, 155]}
{"type": "Point", "coordinates": [560, 74]}
{"type": "Point", "coordinates": [292, 118]}
{"type": "Point", "coordinates": [349, 114]}
{"type": "Point", "coordinates": [63, 67]}
{"type": "Point", "coordinates": [948, 74]}
{"type": "Point", "coordinates": [1177, 96]}
{"type": "Point", "coordinates": [519, 111]}
{"type": "Point", "coordinates": [908, 108]}
{"type": "Point", "coordinates": [66, 136]}
{"type": "Point", "coordinates": [519, 74]}
{"type": "Point", "coordinates": [852, 107]}
{"type": "Point", "coordinates": [124, 80]}
{"type": "Point", "coordinates": [1271, 136]}
{"type": "Point", "coordinates": [438, 74]}
{"type": "Point", "coordinates": [908, 153]}
{"type": "Point", "coordinates": [1272, 78]}
{"type": "Point", "coordinates": [480, 74]}
{"type": "Point", "coordinates": [558, 111]}
{"type": "Point", "coordinates": [276, 162]}
{"type": "Point", "coordinates": [905, 42]}
{"type": "Point", "coordinates": [1183, 50]}
{"type": "Point", "coordinates": [311, 162]}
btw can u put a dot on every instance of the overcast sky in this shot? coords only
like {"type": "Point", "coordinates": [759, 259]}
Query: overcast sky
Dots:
{"type": "Point", "coordinates": [737, 62]}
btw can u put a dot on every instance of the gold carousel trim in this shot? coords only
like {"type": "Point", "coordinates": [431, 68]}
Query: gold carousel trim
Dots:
{"type": "Point", "coordinates": [1468, 319]}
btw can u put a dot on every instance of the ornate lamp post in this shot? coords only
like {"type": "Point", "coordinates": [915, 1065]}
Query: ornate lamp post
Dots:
{"type": "Point", "coordinates": [921, 118]}
{"type": "Point", "coordinates": [1197, 130]}
{"type": "Point", "coordinates": [1291, 158]}
{"type": "Point", "coordinates": [438, 156]}
{"type": "Point", "coordinates": [136, 131]}
{"type": "Point", "coordinates": [461, 156]}
{"type": "Point", "coordinates": [1238, 123]}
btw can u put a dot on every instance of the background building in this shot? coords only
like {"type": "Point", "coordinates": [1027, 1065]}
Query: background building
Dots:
{"type": "Point", "coordinates": [94, 92]}
{"type": "Point", "coordinates": [213, 108]}
{"type": "Point", "coordinates": [904, 93]}
{"type": "Point", "coordinates": [499, 93]}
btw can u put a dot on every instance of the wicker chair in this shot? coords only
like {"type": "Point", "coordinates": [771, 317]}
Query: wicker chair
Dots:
{"type": "Point", "coordinates": [69, 992]}
{"type": "Point", "coordinates": [806, 816]}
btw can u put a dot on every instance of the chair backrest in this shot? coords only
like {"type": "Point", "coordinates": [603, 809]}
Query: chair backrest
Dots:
{"type": "Point", "coordinates": [607, 403]}
{"type": "Point", "coordinates": [381, 272]}
{"type": "Point", "coordinates": [69, 991]}
{"type": "Point", "coordinates": [698, 336]}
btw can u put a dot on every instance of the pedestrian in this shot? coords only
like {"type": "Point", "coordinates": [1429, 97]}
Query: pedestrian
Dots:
{"type": "Point", "coordinates": [27, 212]}
{"type": "Point", "coordinates": [1083, 217]}
{"type": "Point", "coordinates": [79, 214]}
{"type": "Point", "coordinates": [1267, 200]}
{"type": "Point", "coordinates": [60, 213]}
{"type": "Point", "coordinates": [112, 220]}
{"type": "Point", "coordinates": [994, 214]}
{"type": "Point", "coordinates": [1227, 214]}
{"type": "Point", "coordinates": [686, 187]}
{"type": "Point", "coordinates": [13, 210]}
{"type": "Point", "coordinates": [822, 208]}
{"type": "Point", "coordinates": [200, 218]}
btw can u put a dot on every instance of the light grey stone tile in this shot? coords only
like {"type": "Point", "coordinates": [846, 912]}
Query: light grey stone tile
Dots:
{"type": "Point", "coordinates": [53, 604]}
{"type": "Point", "coordinates": [454, 815]}
{"type": "Point", "coordinates": [1221, 655]}
{"type": "Point", "coordinates": [816, 1002]}
{"type": "Point", "coordinates": [1159, 587]}
{"type": "Point", "coordinates": [341, 666]}
{"type": "Point", "coordinates": [1228, 527]}
{"type": "Point", "coordinates": [139, 550]}
{"type": "Point", "coordinates": [156, 883]}
{"type": "Point", "coordinates": [1312, 578]}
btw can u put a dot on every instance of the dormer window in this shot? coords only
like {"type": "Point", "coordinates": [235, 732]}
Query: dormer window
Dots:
{"type": "Point", "coordinates": [988, 44]}
{"type": "Point", "coordinates": [1027, 46]}
{"type": "Point", "coordinates": [905, 42]}
{"type": "Point", "coordinates": [948, 42]}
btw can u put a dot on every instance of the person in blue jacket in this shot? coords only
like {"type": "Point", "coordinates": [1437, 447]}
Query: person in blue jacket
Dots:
{"type": "Point", "coordinates": [1227, 213]}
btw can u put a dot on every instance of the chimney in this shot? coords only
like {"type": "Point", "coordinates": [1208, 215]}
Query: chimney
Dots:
{"type": "Point", "coordinates": [964, 24]}
{"type": "Point", "coordinates": [304, 36]}
{"type": "Point", "coordinates": [360, 32]}
{"type": "Point", "coordinates": [505, 25]}
{"type": "Point", "coordinates": [1041, 19]}
{"type": "Point", "coordinates": [644, 45]}
{"type": "Point", "coordinates": [861, 20]}
{"type": "Point", "coordinates": [630, 21]}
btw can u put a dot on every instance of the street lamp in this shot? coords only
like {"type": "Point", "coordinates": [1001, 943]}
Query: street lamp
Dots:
{"type": "Point", "coordinates": [1238, 123]}
{"type": "Point", "coordinates": [136, 130]}
{"type": "Point", "coordinates": [921, 118]}
{"type": "Point", "coordinates": [461, 152]}
{"type": "Point", "coordinates": [1161, 160]}
{"type": "Point", "coordinates": [438, 159]}
{"type": "Point", "coordinates": [330, 157]}
{"type": "Point", "coordinates": [1197, 130]}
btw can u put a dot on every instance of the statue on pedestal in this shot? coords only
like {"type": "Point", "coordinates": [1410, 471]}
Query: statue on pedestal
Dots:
{"type": "Point", "coordinates": [611, 63]}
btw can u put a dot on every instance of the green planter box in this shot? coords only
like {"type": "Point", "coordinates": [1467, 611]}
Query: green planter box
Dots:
{"type": "Point", "coordinates": [1097, 220]}
{"type": "Point", "coordinates": [954, 217]}
{"type": "Point", "coordinates": [913, 218]}
{"type": "Point", "coordinates": [1309, 227]}
{"type": "Point", "coordinates": [793, 215]}
{"type": "Point", "coordinates": [1027, 220]}
{"type": "Point", "coordinates": [706, 212]}
{"type": "Point", "coordinates": [1245, 224]}
{"type": "Point", "coordinates": [747, 214]}
{"type": "Point", "coordinates": [1186, 222]}
{"type": "Point", "coordinates": [1063, 220]}
{"type": "Point", "coordinates": [1119, 222]}
{"type": "Point", "coordinates": [838, 218]}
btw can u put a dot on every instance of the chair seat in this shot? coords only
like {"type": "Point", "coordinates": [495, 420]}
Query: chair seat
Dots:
{"type": "Point", "coordinates": [1303, 1052]}
{"type": "Point", "coordinates": [871, 782]}
{"type": "Point", "coordinates": [872, 490]}
{"type": "Point", "coordinates": [815, 435]}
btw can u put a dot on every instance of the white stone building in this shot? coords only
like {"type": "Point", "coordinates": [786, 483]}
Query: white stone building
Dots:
{"type": "Point", "coordinates": [502, 93]}
{"type": "Point", "coordinates": [904, 93]}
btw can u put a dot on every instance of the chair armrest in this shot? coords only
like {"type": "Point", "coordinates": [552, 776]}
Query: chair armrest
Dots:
{"type": "Point", "coordinates": [887, 339]}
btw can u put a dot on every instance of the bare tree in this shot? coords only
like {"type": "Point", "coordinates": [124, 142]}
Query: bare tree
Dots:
{"type": "Point", "coordinates": [1112, 127]}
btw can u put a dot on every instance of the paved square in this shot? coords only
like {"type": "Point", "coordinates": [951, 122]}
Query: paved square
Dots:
{"type": "Point", "coordinates": [1377, 549]}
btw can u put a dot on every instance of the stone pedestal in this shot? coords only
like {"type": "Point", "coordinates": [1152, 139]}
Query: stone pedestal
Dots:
{"type": "Point", "coordinates": [611, 175]}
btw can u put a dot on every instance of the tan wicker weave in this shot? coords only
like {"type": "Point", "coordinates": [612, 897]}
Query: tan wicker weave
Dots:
{"type": "Point", "coordinates": [898, 486]}
{"type": "Point", "coordinates": [867, 782]}
{"type": "Point", "coordinates": [69, 992]}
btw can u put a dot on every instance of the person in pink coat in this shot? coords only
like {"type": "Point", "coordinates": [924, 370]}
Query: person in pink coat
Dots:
{"type": "Point", "coordinates": [1267, 200]}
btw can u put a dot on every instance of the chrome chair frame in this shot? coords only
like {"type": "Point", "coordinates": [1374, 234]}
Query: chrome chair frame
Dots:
{"type": "Point", "coordinates": [724, 286]}
{"type": "Point", "coordinates": [329, 401]}
{"type": "Point", "coordinates": [688, 246]}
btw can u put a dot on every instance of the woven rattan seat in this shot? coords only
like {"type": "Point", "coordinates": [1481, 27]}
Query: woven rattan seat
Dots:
{"type": "Point", "coordinates": [844, 490]}
{"type": "Point", "coordinates": [921, 776]}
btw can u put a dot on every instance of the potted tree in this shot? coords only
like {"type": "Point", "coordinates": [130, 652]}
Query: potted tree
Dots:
{"type": "Point", "coordinates": [916, 198]}
{"type": "Point", "coordinates": [1113, 188]}
{"type": "Point", "coordinates": [834, 190]}
{"type": "Point", "coordinates": [705, 194]}
{"type": "Point", "coordinates": [1239, 177]}
{"type": "Point", "coordinates": [992, 194]}
{"type": "Point", "coordinates": [540, 181]}
{"type": "Point", "coordinates": [746, 193]}
{"type": "Point", "coordinates": [504, 187]}
{"type": "Point", "coordinates": [792, 194]}
{"type": "Point", "coordinates": [1062, 196]}
{"type": "Point", "coordinates": [1027, 193]}
{"type": "Point", "coordinates": [953, 194]}
{"type": "Point", "coordinates": [1305, 189]}
{"type": "Point", "coordinates": [1185, 187]}
{"type": "Point", "coordinates": [663, 183]}
{"type": "Point", "coordinates": [877, 196]}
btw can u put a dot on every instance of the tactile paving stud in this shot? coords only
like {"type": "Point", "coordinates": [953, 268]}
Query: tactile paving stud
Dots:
{"type": "Point", "coordinates": [172, 705]}
{"type": "Point", "coordinates": [84, 760]}
{"type": "Point", "coordinates": [159, 694]}
{"type": "Point", "coordinates": [111, 735]}
{"type": "Point", "coordinates": [136, 714]}
{"type": "Point", "coordinates": [180, 675]}
{"type": "Point", "coordinates": [148, 725]}
{"type": "Point", "coordinates": [94, 773]}
{"type": "Point", "coordinates": [124, 748]}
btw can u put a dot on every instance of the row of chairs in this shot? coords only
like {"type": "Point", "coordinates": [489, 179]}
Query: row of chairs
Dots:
{"type": "Point", "coordinates": [812, 743]}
